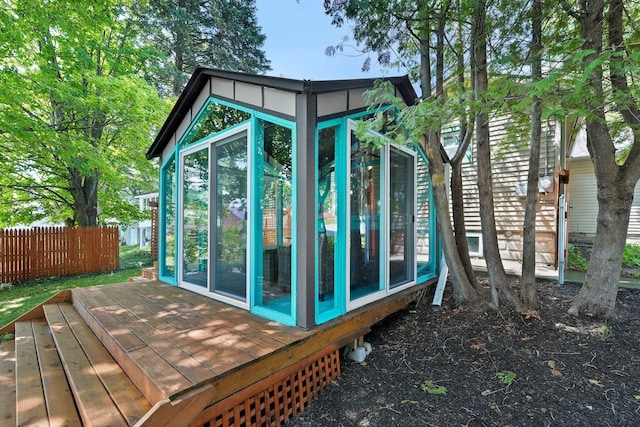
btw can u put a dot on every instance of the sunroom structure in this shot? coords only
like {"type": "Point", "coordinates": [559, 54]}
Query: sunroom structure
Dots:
{"type": "Point", "coordinates": [270, 202]}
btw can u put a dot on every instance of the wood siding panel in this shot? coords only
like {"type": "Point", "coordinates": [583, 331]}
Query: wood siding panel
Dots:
{"type": "Point", "coordinates": [583, 203]}
{"type": "Point", "coordinates": [510, 167]}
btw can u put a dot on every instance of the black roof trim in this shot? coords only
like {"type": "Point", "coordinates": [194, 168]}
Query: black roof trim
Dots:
{"type": "Point", "coordinates": [201, 77]}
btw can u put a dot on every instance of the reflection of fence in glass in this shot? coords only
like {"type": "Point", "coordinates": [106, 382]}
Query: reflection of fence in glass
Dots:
{"type": "Point", "coordinates": [270, 222]}
{"type": "Point", "coordinates": [28, 254]}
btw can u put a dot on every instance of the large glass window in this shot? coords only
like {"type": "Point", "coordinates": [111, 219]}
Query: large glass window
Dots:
{"type": "Point", "coordinates": [215, 117]}
{"type": "Point", "coordinates": [168, 232]}
{"type": "Point", "coordinates": [275, 277]}
{"type": "Point", "coordinates": [400, 217]}
{"type": "Point", "coordinates": [195, 217]}
{"type": "Point", "coordinates": [230, 247]}
{"type": "Point", "coordinates": [425, 240]}
{"type": "Point", "coordinates": [327, 220]}
{"type": "Point", "coordinates": [365, 252]}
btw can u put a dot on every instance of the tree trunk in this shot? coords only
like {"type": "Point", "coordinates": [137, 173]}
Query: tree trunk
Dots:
{"type": "Point", "coordinates": [457, 198]}
{"type": "Point", "coordinates": [615, 184]}
{"type": "Point", "coordinates": [463, 291]}
{"type": "Point", "coordinates": [497, 275]}
{"type": "Point", "coordinates": [528, 290]}
{"type": "Point", "coordinates": [597, 297]}
{"type": "Point", "coordinates": [84, 190]}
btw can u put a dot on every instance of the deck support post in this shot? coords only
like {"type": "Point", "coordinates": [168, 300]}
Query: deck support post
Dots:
{"type": "Point", "coordinates": [358, 350]}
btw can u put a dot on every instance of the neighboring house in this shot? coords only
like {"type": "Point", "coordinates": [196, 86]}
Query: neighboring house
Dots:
{"type": "Point", "coordinates": [510, 165]}
{"type": "Point", "coordinates": [565, 170]}
{"type": "Point", "coordinates": [139, 233]}
{"type": "Point", "coordinates": [583, 203]}
{"type": "Point", "coordinates": [269, 201]}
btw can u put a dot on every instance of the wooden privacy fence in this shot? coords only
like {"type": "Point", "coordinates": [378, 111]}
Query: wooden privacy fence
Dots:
{"type": "Point", "coordinates": [28, 254]}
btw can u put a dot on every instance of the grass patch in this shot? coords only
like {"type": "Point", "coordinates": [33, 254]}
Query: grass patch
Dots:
{"type": "Point", "coordinates": [22, 298]}
{"type": "Point", "coordinates": [17, 299]}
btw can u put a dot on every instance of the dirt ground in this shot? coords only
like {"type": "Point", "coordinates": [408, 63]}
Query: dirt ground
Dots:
{"type": "Point", "coordinates": [469, 367]}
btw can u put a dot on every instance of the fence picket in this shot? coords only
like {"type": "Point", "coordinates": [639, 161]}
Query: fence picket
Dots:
{"type": "Point", "coordinates": [28, 254]}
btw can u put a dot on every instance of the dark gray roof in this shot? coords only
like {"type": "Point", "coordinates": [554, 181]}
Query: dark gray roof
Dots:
{"type": "Point", "coordinates": [202, 75]}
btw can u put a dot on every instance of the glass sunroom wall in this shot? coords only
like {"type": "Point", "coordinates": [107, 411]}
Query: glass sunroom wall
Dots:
{"type": "Point", "coordinates": [168, 221]}
{"type": "Point", "coordinates": [195, 217]}
{"type": "Point", "coordinates": [274, 261]}
{"type": "Point", "coordinates": [425, 223]}
{"type": "Point", "coordinates": [329, 300]}
{"type": "Point", "coordinates": [365, 236]}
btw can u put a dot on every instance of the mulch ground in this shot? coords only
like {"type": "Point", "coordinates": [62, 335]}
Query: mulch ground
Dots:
{"type": "Point", "coordinates": [468, 367]}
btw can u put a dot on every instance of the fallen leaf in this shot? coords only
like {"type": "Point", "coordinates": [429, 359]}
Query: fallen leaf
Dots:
{"type": "Point", "coordinates": [556, 373]}
{"type": "Point", "coordinates": [551, 364]}
{"type": "Point", "coordinates": [478, 346]}
{"type": "Point", "coordinates": [532, 313]}
{"type": "Point", "coordinates": [458, 309]}
{"type": "Point", "coordinates": [595, 382]}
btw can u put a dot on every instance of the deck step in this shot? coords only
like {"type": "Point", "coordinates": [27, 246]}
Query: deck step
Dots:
{"type": "Point", "coordinates": [8, 381]}
{"type": "Point", "coordinates": [31, 407]}
{"type": "Point", "coordinates": [103, 393]}
{"type": "Point", "coordinates": [150, 273]}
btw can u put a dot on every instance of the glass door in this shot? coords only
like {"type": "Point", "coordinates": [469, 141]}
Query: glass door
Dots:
{"type": "Point", "coordinates": [230, 170]}
{"type": "Point", "coordinates": [366, 246]}
{"type": "Point", "coordinates": [195, 217]}
{"type": "Point", "coordinates": [401, 218]}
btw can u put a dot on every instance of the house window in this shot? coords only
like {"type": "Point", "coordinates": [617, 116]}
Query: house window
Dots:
{"type": "Point", "coordinates": [474, 241]}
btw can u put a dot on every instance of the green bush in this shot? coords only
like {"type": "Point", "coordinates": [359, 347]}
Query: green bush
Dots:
{"type": "Point", "coordinates": [132, 256]}
{"type": "Point", "coordinates": [631, 255]}
{"type": "Point", "coordinates": [575, 259]}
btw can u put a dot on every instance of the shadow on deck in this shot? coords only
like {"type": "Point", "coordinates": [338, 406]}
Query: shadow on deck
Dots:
{"type": "Point", "coordinates": [146, 353]}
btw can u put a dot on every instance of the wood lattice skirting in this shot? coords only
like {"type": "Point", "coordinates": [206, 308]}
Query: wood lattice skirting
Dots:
{"type": "Point", "coordinates": [274, 400]}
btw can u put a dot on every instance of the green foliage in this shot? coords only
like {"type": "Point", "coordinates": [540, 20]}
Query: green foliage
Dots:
{"type": "Point", "coordinates": [575, 259]}
{"type": "Point", "coordinates": [221, 34]}
{"type": "Point", "coordinates": [631, 255]}
{"type": "Point", "coordinates": [432, 388]}
{"type": "Point", "coordinates": [75, 114]}
{"type": "Point", "coordinates": [133, 256]}
{"type": "Point", "coordinates": [506, 377]}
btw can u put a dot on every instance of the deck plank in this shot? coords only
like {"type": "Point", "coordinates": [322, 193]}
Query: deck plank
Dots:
{"type": "Point", "coordinates": [30, 402]}
{"type": "Point", "coordinates": [57, 394]}
{"type": "Point", "coordinates": [156, 378]}
{"type": "Point", "coordinates": [208, 314]}
{"type": "Point", "coordinates": [92, 399]}
{"type": "Point", "coordinates": [141, 322]}
{"type": "Point", "coordinates": [217, 358]}
{"type": "Point", "coordinates": [192, 337]}
{"type": "Point", "coordinates": [106, 311]}
{"type": "Point", "coordinates": [129, 400]}
{"type": "Point", "coordinates": [8, 381]}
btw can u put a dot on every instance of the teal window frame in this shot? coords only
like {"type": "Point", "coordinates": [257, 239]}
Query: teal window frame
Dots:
{"type": "Point", "coordinates": [431, 270]}
{"type": "Point", "coordinates": [255, 191]}
{"type": "Point", "coordinates": [340, 247]}
{"type": "Point", "coordinates": [172, 280]}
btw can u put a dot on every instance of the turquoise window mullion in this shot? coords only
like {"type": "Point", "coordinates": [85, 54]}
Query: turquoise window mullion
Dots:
{"type": "Point", "coordinates": [257, 189]}
{"type": "Point", "coordinates": [164, 211]}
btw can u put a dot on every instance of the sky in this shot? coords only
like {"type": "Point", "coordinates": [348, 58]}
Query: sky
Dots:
{"type": "Point", "coordinates": [298, 34]}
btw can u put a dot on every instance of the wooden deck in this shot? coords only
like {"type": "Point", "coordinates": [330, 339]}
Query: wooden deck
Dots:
{"type": "Point", "coordinates": [162, 353]}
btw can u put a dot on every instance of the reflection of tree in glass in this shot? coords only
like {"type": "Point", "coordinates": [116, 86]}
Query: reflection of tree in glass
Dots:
{"type": "Point", "coordinates": [215, 118]}
{"type": "Point", "coordinates": [277, 146]}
